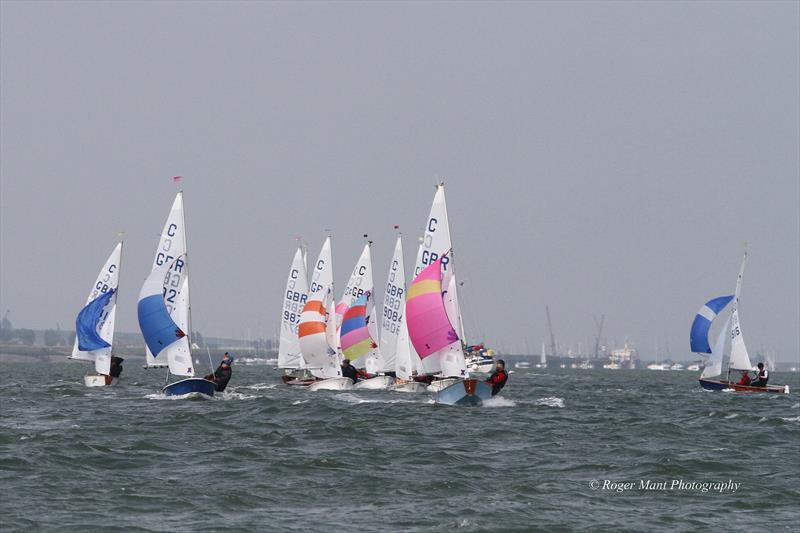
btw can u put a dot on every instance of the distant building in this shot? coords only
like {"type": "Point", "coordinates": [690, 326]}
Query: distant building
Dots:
{"type": "Point", "coordinates": [623, 355]}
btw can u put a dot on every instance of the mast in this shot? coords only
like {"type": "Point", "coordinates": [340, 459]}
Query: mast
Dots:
{"type": "Point", "coordinates": [552, 336]}
{"type": "Point", "coordinates": [599, 326]}
{"type": "Point", "coordinates": [736, 333]}
{"type": "Point", "coordinates": [452, 264]}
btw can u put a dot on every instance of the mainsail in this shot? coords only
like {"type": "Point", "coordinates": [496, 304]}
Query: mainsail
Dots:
{"type": "Point", "coordinates": [172, 251]}
{"type": "Point", "coordinates": [294, 298]}
{"type": "Point", "coordinates": [394, 300]}
{"type": "Point", "coordinates": [94, 325]}
{"type": "Point", "coordinates": [429, 327]}
{"type": "Point", "coordinates": [698, 337]}
{"type": "Point", "coordinates": [740, 360]}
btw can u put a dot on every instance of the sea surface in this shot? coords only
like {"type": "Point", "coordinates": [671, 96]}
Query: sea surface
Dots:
{"type": "Point", "coordinates": [558, 450]}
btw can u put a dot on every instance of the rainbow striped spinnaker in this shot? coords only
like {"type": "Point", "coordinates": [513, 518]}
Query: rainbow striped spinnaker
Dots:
{"type": "Point", "coordinates": [355, 338]}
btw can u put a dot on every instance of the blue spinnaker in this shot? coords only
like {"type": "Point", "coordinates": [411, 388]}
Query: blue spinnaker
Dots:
{"type": "Point", "coordinates": [698, 338]}
{"type": "Point", "coordinates": [158, 328]}
{"type": "Point", "coordinates": [86, 324]}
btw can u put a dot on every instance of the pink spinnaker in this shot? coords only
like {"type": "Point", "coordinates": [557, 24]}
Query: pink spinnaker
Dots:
{"type": "Point", "coordinates": [429, 327]}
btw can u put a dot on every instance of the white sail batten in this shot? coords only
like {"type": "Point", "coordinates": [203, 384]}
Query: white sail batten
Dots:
{"type": "Point", "coordinates": [294, 298]}
{"type": "Point", "coordinates": [107, 280]}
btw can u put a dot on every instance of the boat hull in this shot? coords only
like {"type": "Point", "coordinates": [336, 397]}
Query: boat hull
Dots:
{"type": "Point", "coordinates": [721, 384]}
{"type": "Point", "coordinates": [441, 384]}
{"type": "Point", "coordinates": [376, 383]}
{"type": "Point", "coordinates": [465, 392]}
{"type": "Point", "coordinates": [295, 381]}
{"type": "Point", "coordinates": [332, 384]}
{"type": "Point", "coordinates": [99, 380]}
{"type": "Point", "coordinates": [409, 386]}
{"type": "Point", "coordinates": [192, 386]}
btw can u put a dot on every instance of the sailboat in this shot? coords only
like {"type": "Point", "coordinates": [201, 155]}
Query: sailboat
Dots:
{"type": "Point", "coordinates": [317, 327]}
{"type": "Point", "coordinates": [357, 310]}
{"type": "Point", "coordinates": [433, 313]}
{"type": "Point", "coordinates": [542, 358]}
{"type": "Point", "coordinates": [739, 359]}
{"type": "Point", "coordinates": [294, 299]}
{"type": "Point", "coordinates": [164, 312]}
{"type": "Point", "coordinates": [396, 349]}
{"type": "Point", "coordinates": [94, 325]}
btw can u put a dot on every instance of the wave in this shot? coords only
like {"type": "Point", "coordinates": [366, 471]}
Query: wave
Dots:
{"type": "Point", "coordinates": [499, 401]}
{"type": "Point", "coordinates": [550, 401]}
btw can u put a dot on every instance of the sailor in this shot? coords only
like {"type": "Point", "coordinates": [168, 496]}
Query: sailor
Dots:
{"type": "Point", "coordinates": [116, 366]}
{"type": "Point", "coordinates": [349, 371]}
{"type": "Point", "coordinates": [499, 377]}
{"type": "Point", "coordinates": [222, 375]}
{"type": "Point", "coordinates": [762, 377]}
{"type": "Point", "coordinates": [745, 378]}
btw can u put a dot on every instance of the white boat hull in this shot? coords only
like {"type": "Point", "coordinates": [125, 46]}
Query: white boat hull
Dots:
{"type": "Point", "coordinates": [376, 383]}
{"type": "Point", "coordinates": [99, 380]}
{"type": "Point", "coordinates": [440, 384]}
{"type": "Point", "coordinates": [332, 384]}
{"type": "Point", "coordinates": [410, 386]}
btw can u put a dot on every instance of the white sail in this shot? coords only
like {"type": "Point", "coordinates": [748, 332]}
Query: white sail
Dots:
{"type": "Point", "coordinates": [404, 361]}
{"type": "Point", "coordinates": [171, 249]}
{"type": "Point", "coordinates": [317, 328]}
{"type": "Point", "coordinates": [393, 308]}
{"type": "Point", "coordinates": [740, 360]}
{"type": "Point", "coordinates": [436, 242]}
{"type": "Point", "coordinates": [294, 298]}
{"type": "Point", "coordinates": [452, 357]}
{"type": "Point", "coordinates": [179, 355]}
{"type": "Point", "coordinates": [543, 356]}
{"type": "Point", "coordinates": [714, 365]}
{"type": "Point", "coordinates": [360, 280]}
{"type": "Point", "coordinates": [107, 280]}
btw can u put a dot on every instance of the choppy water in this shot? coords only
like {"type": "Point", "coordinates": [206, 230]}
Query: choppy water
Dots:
{"type": "Point", "coordinates": [265, 457]}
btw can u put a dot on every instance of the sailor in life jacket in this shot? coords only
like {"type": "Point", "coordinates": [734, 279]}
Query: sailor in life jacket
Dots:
{"type": "Point", "coordinates": [499, 377]}
{"type": "Point", "coordinates": [745, 378]}
{"type": "Point", "coordinates": [762, 378]}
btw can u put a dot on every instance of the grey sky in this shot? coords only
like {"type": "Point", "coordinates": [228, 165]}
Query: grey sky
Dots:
{"type": "Point", "coordinates": [599, 157]}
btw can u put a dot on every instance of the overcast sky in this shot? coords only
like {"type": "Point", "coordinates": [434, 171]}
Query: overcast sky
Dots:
{"type": "Point", "coordinates": [599, 157]}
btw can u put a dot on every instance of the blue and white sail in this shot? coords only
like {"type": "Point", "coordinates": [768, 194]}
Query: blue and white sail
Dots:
{"type": "Point", "coordinates": [713, 366]}
{"type": "Point", "coordinates": [172, 251]}
{"type": "Point", "coordinates": [702, 323]}
{"type": "Point", "coordinates": [94, 325]}
{"type": "Point", "coordinates": [164, 330]}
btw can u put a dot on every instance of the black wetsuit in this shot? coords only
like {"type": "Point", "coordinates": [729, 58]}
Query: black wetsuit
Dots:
{"type": "Point", "coordinates": [116, 366]}
{"type": "Point", "coordinates": [497, 380]}
{"type": "Point", "coordinates": [222, 375]}
{"type": "Point", "coordinates": [349, 371]}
